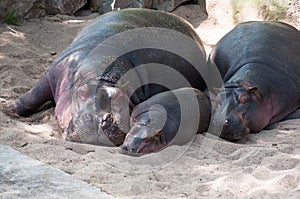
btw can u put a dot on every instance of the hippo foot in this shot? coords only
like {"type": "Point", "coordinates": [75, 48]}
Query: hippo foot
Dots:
{"type": "Point", "coordinates": [8, 107]}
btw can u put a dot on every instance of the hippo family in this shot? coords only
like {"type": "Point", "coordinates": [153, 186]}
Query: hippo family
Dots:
{"type": "Point", "coordinates": [130, 79]}
{"type": "Point", "coordinates": [260, 66]}
{"type": "Point", "coordinates": [104, 83]}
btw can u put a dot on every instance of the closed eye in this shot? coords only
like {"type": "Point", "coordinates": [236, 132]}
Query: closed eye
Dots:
{"type": "Point", "coordinates": [243, 98]}
{"type": "Point", "coordinates": [221, 97]}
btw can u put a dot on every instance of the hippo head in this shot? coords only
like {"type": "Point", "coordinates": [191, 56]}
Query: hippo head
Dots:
{"type": "Point", "coordinates": [239, 111]}
{"type": "Point", "coordinates": [100, 115]}
{"type": "Point", "coordinates": [143, 139]}
{"type": "Point", "coordinates": [152, 130]}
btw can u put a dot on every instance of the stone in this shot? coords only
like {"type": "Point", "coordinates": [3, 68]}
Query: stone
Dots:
{"type": "Point", "coordinates": [164, 5]}
{"type": "Point", "coordinates": [168, 5]}
{"type": "Point", "coordinates": [107, 5]}
{"type": "Point", "coordinates": [192, 13]}
{"type": "Point", "coordinates": [96, 6]}
{"type": "Point", "coordinates": [24, 177]}
{"type": "Point", "coordinates": [65, 7]}
{"type": "Point", "coordinates": [129, 4]}
{"type": "Point", "coordinates": [22, 9]}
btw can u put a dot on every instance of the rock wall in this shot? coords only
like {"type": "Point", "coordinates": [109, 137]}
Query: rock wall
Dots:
{"type": "Point", "coordinates": [67, 7]}
{"type": "Point", "coordinates": [164, 5]}
{"type": "Point", "coordinates": [22, 9]}
{"type": "Point", "coordinates": [19, 10]}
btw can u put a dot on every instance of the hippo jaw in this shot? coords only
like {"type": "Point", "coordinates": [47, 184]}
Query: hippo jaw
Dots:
{"type": "Point", "coordinates": [238, 112]}
{"type": "Point", "coordinates": [235, 128]}
{"type": "Point", "coordinates": [138, 141]}
{"type": "Point", "coordinates": [232, 126]}
{"type": "Point", "coordinates": [102, 118]}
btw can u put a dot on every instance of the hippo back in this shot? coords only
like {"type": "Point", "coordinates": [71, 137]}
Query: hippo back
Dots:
{"type": "Point", "coordinates": [95, 59]}
{"type": "Point", "coordinates": [270, 43]}
{"type": "Point", "coordinates": [74, 58]}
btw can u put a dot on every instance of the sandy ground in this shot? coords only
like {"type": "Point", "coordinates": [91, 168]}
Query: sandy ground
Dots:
{"type": "Point", "coordinates": [264, 165]}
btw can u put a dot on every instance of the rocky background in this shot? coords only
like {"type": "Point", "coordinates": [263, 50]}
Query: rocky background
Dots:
{"type": "Point", "coordinates": [14, 11]}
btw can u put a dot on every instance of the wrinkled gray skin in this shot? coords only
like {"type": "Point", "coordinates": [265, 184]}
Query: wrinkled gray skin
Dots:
{"type": "Point", "coordinates": [90, 107]}
{"type": "Point", "coordinates": [260, 65]}
{"type": "Point", "coordinates": [155, 122]}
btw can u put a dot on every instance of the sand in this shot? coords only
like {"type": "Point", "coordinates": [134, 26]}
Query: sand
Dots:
{"type": "Point", "coordinates": [264, 165]}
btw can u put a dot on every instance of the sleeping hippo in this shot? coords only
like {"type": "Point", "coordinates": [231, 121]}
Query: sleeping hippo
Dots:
{"type": "Point", "coordinates": [115, 63]}
{"type": "Point", "coordinates": [156, 121]}
{"type": "Point", "coordinates": [260, 66]}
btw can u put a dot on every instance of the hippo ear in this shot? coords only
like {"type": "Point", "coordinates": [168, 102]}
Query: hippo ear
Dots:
{"type": "Point", "coordinates": [214, 92]}
{"type": "Point", "coordinates": [254, 91]}
{"type": "Point", "coordinates": [83, 92]}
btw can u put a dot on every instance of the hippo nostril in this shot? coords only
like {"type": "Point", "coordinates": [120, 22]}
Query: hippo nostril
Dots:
{"type": "Point", "coordinates": [226, 123]}
{"type": "Point", "coordinates": [124, 148]}
{"type": "Point", "coordinates": [107, 117]}
{"type": "Point", "coordinates": [129, 149]}
{"type": "Point", "coordinates": [107, 121]}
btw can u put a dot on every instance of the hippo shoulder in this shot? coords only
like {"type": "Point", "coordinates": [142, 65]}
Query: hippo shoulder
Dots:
{"type": "Point", "coordinates": [251, 42]}
{"type": "Point", "coordinates": [266, 25]}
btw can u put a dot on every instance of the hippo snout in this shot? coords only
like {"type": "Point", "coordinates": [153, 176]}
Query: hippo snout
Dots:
{"type": "Point", "coordinates": [134, 146]}
{"type": "Point", "coordinates": [138, 140]}
{"type": "Point", "coordinates": [112, 130]}
{"type": "Point", "coordinates": [107, 121]}
{"type": "Point", "coordinates": [234, 129]}
{"type": "Point", "coordinates": [143, 139]}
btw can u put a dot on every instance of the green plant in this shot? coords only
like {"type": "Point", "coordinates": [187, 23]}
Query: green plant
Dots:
{"type": "Point", "coordinates": [240, 5]}
{"type": "Point", "coordinates": [268, 9]}
{"type": "Point", "coordinates": [273, 10]}
{"type": "Point", "coordinates": [11, 18]}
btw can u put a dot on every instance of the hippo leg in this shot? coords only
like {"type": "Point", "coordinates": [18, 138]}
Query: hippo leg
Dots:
{"type": "Point", "coordinates": [161, 121]}
{"type": "Point", "coordinates": [33, 99]}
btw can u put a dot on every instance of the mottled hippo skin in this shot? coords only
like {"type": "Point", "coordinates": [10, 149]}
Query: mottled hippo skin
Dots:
{"type": "Point", "coordinates": [91, 105]}
{"type": "Point", "coordinates": [260, 65]}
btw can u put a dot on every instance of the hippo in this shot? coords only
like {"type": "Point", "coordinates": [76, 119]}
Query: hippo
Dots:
{"type": "Point", "coordinates": [118, 61]}
{"type": "Point", "coordinates": [260, 66]}
{"type": "Point", "coordinates": [155, 122]}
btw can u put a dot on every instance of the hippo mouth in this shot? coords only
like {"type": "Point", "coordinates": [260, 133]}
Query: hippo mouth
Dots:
{"type": "Point", "coordinates": [235, 130]}
{"type": "Point", "coordinates": [152, 131]}
{"type": "Point", "coordinates": [112, 130]}
{"type": "Point", "coordinates": [232, 129]}
{"type": "Point", "coordinates": [135, 145]}
{"type": "Point", "coordinates": [143, 139]}
{"type": "Point", "coordinates": [234, 135]}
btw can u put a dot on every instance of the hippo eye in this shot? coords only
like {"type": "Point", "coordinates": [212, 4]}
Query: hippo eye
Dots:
{"type": "Point", "coordinates": [221, 97]}
{"type": "Point", "coordinates": [243, 99]}
{"type": "Point", "coordinates": [83, 93]}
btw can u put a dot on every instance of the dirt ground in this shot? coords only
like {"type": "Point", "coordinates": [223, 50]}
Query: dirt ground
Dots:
{"type": "Point", "coordinates": [264, 165]}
